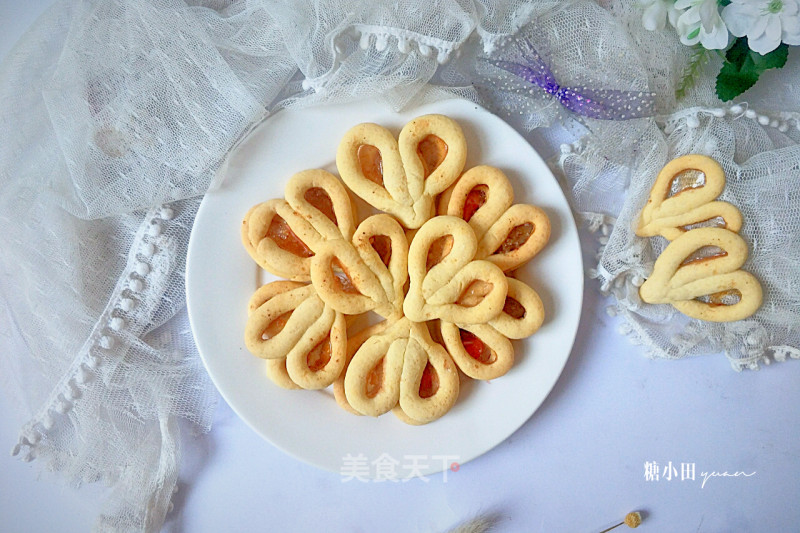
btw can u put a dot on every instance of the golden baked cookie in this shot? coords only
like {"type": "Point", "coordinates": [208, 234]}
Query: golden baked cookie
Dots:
{"type": "Point", "coordinates": [287, 321]}
{"type": "Point", "coordinates": [446, 282]}
{"type": "Point", "coordinates": [354, 342]}
{"type": "Point", "coordinates": [484, 351]}
{"type": "Point", "coordinates": [683, 198]}
{"type": "Point", "coordinates": [401, 367]}
{"type": "Point", "coordinates": [402, 177]}
{"type": "Point", "coordinates": [283, 235]}
{"type": "Point", "coordinates": [274, 235]}
{"type": "Point", "coordinates": [367, 274]}
{"type": "Point", "coordinates": [698, 273]}
{"type": "Point", "coordinates": [509, 234]}
{"type": "Point", "coordinates": [479, 350]}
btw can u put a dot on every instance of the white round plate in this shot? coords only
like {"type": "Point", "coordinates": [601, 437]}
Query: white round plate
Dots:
{"type": "Point", "coordinates": [220, 278]}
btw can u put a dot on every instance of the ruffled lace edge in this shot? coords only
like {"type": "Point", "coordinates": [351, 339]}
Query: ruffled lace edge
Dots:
{"type": "Point", "coordinates": [406, 41]}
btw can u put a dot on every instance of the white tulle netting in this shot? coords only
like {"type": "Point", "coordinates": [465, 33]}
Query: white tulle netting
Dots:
{"type": "Point", "coordinates": [117, 115]}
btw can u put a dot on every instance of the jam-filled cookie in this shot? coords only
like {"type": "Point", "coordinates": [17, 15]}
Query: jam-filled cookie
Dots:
{"type": "Point", "coordinates": [484, 351]}
{"type": "Point", "coordinates": [287, 323]}
{"type": "Point", "coordinates": [509, 234]}
{"type": "Point", "coordinates": [283, 235]}
{"type": "Point", "coordinates": [446, 281]}
{"type": "Point", "coordinates": [367, 274]}
{"type": "Point", "coordinates": [402, 369]}
{"type": "Point", "coordinates": [403, 177]}
{"type": "Point", "coordinates": [683, 197]}
{"type": "Point", "coordinates": [699, 274]}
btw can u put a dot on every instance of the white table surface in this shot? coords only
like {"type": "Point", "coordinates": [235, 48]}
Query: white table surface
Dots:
{"type": "Point", "coordinates": [577, 465]}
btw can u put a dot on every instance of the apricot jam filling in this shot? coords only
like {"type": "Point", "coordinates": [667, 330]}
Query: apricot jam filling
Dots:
{"type": "Point", "coordinates": [476, 348]}
{"type": "Point", "coordinates": [341, 280]}
{"type": "Point", "coordinates": [474, 293]}
{"type": "Point", "coordinates": [474, 201]}
{"type": "Point", "coordinates": [715, 222]}
{"type": "Point", "coordinates": [383, 246]}
{"type": "Point", "coordinates": [513, 308]}
{"type": "Point", "coordinates": [704, 253]}
{"type": "Point", "coordinates": [432, 151]}
{"type": "Point", "coordinates": [429, 383]}
{"type": "Point", "coordinates": [374, 379]}
{"type": "Point", "coordinates": [728, 297]}
{"type": "Point", "coordinates": [685, 180]}
{"type": "Point", "coordinates": [318, 197]}
{"type": "Point", "coordinates": [276, 326]}
{"type": "Point", "coordinates": [438, 250]}
{"type": "Point", "coordinates": [320, 355]}
{"type": "Point", "coordinates": [518, 236]}
{"type": "Point", "coordinates": [283, 236]}
{"type": "Point", "coordinates": [369, 158]}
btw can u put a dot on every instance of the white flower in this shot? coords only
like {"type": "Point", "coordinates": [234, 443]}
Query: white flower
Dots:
{"type": "Point", "coordinates": [657, 12]}
{"type": "Point", "coordinates": [765, 22]}
{"type": "Point", "coordinates": [701, 23]}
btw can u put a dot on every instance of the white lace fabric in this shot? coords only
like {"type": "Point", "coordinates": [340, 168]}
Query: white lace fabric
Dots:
{"type": "Point", "coordinates": [611, 170]}
{"type": "Point", "coordinates": [117, 115]}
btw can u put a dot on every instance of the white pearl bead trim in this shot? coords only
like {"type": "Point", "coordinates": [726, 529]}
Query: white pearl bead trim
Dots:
{"type": "Point", "coordinates": [106, 342]}
{"type": "Point", "coordinates": [106, 338]}
{"type": "Point", "coordinates": [127, 305]}
{"type": "Point", "coordinates": [692, 117]}
{"type": "Point", "coordinates": [381, 38]}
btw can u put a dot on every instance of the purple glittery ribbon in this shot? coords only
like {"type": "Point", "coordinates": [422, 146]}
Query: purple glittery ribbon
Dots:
{"type": "Point", "coordinates": [604, 104]}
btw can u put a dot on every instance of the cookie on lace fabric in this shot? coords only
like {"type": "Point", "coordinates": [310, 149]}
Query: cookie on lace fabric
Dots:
{"type": "Point", "coordinates": [699, 274]}
{"type": "Point", "coordinates": [683, 197]}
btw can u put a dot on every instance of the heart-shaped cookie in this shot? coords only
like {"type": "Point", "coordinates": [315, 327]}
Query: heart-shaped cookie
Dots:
{"type": "Point", "coordinates": [483, 351]}
{"type": "Point", "coordinates": [508, 234]}
{"type": "Point", "coordinates": [283, 235]}
{"type": "Point", "coordinates": [321, 199]}
{"type": "Point", "coordinates": [402, 177]}
{"type": "Point", "coordinates": [305, 340]}
{"type": "Point", "coordinates": [683, 197]}
{"type": "Point", "coordinates": [401, 367]}
{"type": "Point", "coordinates": [276, 238]}
{"type": "Point", "coordinates": [446, 282]}
{"type": "Point", "coordinates": [367, 274]}
{"type": "Point", "coordinates": [698, 273]}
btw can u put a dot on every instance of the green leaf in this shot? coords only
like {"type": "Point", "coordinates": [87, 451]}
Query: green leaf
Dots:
{"type": "Point", "coordinates": [723, 3]}
{"type": "Point", "coordinates": [742, 68]}
{"type": "Point", "coordinates": [775, 59]}
{"type": "Point", "coordinates": [731, 82]}
{"type": "Point", "coordinates": [737, 54]}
